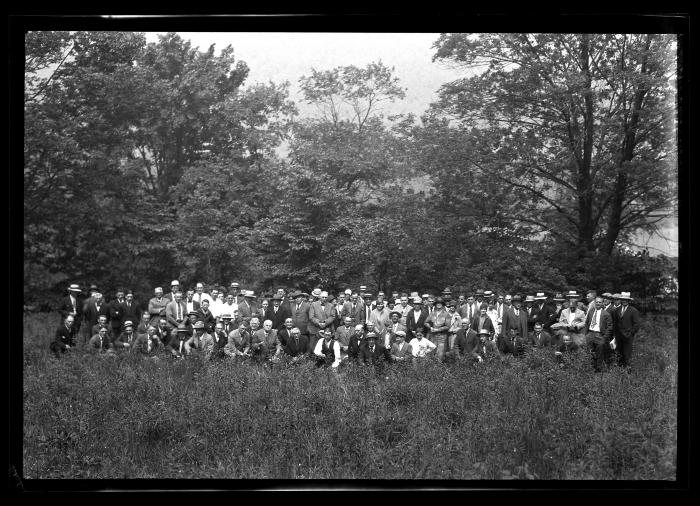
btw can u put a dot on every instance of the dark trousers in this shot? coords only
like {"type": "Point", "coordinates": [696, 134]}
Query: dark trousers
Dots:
{"type": "Point", "coordinates": [599, 350]}
{"type": "Point", "coordinates": [624, 350]}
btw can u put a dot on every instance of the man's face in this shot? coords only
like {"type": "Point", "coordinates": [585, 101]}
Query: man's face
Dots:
{"type": "Point", "coordinates": [178, 297]}
{"type": "Point", "coordinates": [280, 292]}
{"type": "Point", "coordinates": [102, 320]}
{"type": "Point", "coordinates": [590, 296]}
{"type": "Point", "coordinates": [323, 299]}
{"type": "Point", "coordinates": [151, 330]}
{"type": "Point", "coordinates": [431, 301]}
{"type": "Point", "coordinates": [417, 306]}
{"type": "Point", "coordinates": [358, 331]}
{"type": "Point", "coordinates": [573, 303]}
{"type": "Point", "coordinates": [508, 300]}
{"type": "Point", "coordinates": [394, 318]}
{"type": "Point", "coordinates": [254, 324]}
{"type": "Point", "coordinates": [129, 297]}
{"type": "Point", "coordinates": [98, 298]}
{"type": "Point", "coordinates": [276, 303]}
{"type": "Point", "coordinates": [370, 326]}
{"type": "Point", "coordinates": [103, 333]}
{"type": "Point", "coordinates": [298, 299]}
{"type": "Point", "coordinates": [470, 300]}
{"type": "Point", "coordinates": [215, 293]}
{"type": "Point", "coordinates": [120, 295]}
{"type": "Point", "coordinates": [483, 311]}
{"type": "Point", "coordinates": [348, 321]}
{"type": "Point", "coordinates": [380, 306]}
{"type": "Point", "coordinates": [538, 328]}
{"type": "Point", "coordinates": [200, 287]}
{"type": "Point", "coordinates": [199, 331]}
{"type": "Point", "coordinates": [146, 316]}
{"type": "Point", "coordinates": [205, 304]}
{"type": "Point", "coordinates": [265, 305]}
{"type": "Point", "coordinates": [193, 318]}
{"type": "Point", "coordinates": [598, 302]}
{"type": "Point", "coordinates": [69, 321]}
{"type": "Point", "coordinates": [162, 323]}
{"type": "Point", "coordinates": [353, 298]}
{"type": "Point", "coordinates": [419, 335]}
{"type": "Point", "coordinates": [404, 301]}
{"type": "Point", "coordinates": [229, 299]}
{"type": "Point", "coordinates": [399, 338]}
{"type": "Point", "coordinates": [219, 327]}
{"type": "Point", "coordinates": [267, 325]}
{"type": "Point", "coordinates": [159, 293]}
{"type": "Point", "coordinates": [567, 339]}
{"type": "Point", "coordinates": [516, 304]}
{"type": "Point", "coordinates": [528, 304]}
{"type": "Point", "coordinates": [190, 294]}
{"type": "Point", "coordinates": [296, 333]}
{"type": "Point", "coordinates": [625, 302]}
{"type": "Point", "coordinates": [465, 323]}
{"type": "Point", "coordinates": [461, 300]}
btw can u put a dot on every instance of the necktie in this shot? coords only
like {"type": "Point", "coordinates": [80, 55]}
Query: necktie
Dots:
{"type": "Point", "coordinates": [623, 311]}
{"type": "Point", "coordinates": [595, 317]}
{"type": "Point", "coordinates": [469, 315]}
{"type": "Point", "coordinates": [72, 301]}
{"type": "Point", "coordinates": [128, 304]}
{"type": "Point", "coordinates": [179, 316]}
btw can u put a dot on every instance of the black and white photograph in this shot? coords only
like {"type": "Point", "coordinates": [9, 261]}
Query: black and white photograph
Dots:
{"type": "Point", "coordinates": [303, 257]}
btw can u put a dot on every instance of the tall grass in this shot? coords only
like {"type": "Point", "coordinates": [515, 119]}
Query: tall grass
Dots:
{"type": "Point", "coordinates": [123, 416]}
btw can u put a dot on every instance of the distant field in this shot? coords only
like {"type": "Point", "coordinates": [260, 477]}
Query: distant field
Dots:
{"type": "Point", "coordinates": [88, 416]}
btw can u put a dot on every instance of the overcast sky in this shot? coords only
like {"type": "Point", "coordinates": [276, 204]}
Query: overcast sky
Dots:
{"type": "Point", "coordinates": [279, 57]}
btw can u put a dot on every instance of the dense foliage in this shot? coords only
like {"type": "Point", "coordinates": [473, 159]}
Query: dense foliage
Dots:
{"type": "Point", "coordinates": [112, 417]}
{"type": "Point", "coordinates": [146, 162]}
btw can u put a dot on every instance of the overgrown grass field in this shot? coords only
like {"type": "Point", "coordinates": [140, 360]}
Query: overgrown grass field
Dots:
{"type": "Point", "coordinates": [100, 416]}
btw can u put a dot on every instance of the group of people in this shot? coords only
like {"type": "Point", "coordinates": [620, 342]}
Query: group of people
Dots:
{"type": "Point", "coordinates": [354, 327]}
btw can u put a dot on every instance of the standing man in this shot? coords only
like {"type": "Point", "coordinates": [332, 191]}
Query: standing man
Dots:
{"type": "Point", "coordinates": [206, 317]}
{"type": "Point", "coordinates": [229, 306]}
{"type": "Point", "coordinates": [354, 308]}
{"type": "Point", "coordinates": [545, 313]}
{"type": "Point", "coordinates": [248, 308]}
{"type": "Point", "coordinates": [116, 311]}
{"type": "Point", "coordinates": [514, 323]}
{"type": "Point", "coordinates": [157, 305]}
{"type": "Point", "coordinates": [343, 334]}
{"type": "Point", "coordinates": [277, 314]}
{"type": "Point", "coordinates": [300, 312]}
{"type": "Point", "coordinates": [93, 312]}
{"type": "Point", "coordinates": [176, 311]}
{"type": "Point", "coordinates": [132, 309]}
{"type": "Point", "coordinates": [628, 321]}
{"type": "Point", "coordinates": [327, 350]}
{"type": "Point", "coordinates": [439, 323]}
{"type": "Point", "coordinates": [321, 316]}
{"type": "Point", "coordinates": [599, 333]}
{"type": "Point", "coordinates": [72, 304]}
{"type": "Point", "coordinates": [573, 320]}
{"type": "Point", "coordinates": [415, 319]}
{"type": "Point", "coordinates": [174, 288]}
{"type": "Point", "coordinates": [470, 309]}
{"type": "Point", "coordinates": [193, 305]}
{"type": "Point", "coordinates": [531, 313]}
{"type": "Point", "coordinates": [200, 294]}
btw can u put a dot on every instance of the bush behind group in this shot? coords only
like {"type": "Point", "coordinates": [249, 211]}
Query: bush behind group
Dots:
{"type": "Point", "coordinates": [124, 416]}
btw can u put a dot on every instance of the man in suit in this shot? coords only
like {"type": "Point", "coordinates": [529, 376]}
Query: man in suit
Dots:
{"type": "Point", "coordinates": [193, 305]}
{"type": "Point", "coordinates": [354, 308]}
{"type": "Point", "coordinates": [375, 353]}
{"type": "Point", "coordinates": [132, 309]}
{"type": "Point", "coordinates": [229, 306]}
{"type": "Point", "coordinates": [415, 319]}
{"type": "Point", "coordinates": [470, 309]}
{"type": "Point", "coordinates": [247, 308]}
{"type": "Point", "coordinates": [174, 288]}
{"type": "Point", "coordinates": [205, 316]}
{"type": "Point", "coordinates": [481, 347]}
{"type": "Point", "coordinates": [531, 312]}
{"type": "Point", "coordinates": [263, 342]}
{"type": "Point", "coordinates": [599, 334]}
{"type": "Point", "coordinates": [300, 312]}
{"type": "Point", "coordinates": [64, 337]}
{"type": "Point", "coordinates": [157, 305]}
{"type": "Point", "coordinates": [102, 322]}
{"type": "Point", "coordinates": [148, 344]}
{"type": "Point", "coordinates": [238, 345]}
{"type": "Point", "coordinates": [545, 313]}
{"type": "Point", "coordinates": [394, 326]}
{"type": "Point", "coordinates": [276, 313]}
{"type": "Point", "coordinates": [176, 312]}
{"type": "Point", "coordinates": [540, 338]}
{"type": "Point", "coordinates": [126, 339]}
{"type": "Point", "coordinates": [94, 310]}
{"type": "Point", "coordinates": [116, 311]}
{"type": "Point", "coordinates": [628, 322]}
{"type": "Point", "coordinates": [357, 343]}
{"type": "Point", "coordinates": [101, 341]}
{"type": "Point", "coordinates": [572, 320]}
{"type": "Point", "coordinates": [456, 344]}
{"type": "Point", "coordinates": [321, 316]}
{"type": "Point", "coordinates": [295, 346]}
{"type": "Point", "coordinates": [401, 350]}
{"type": "Point", "coordinates": [514, 321]}
{"type": "Point", "coordinates": [343, 334]}
{"type": "Point", "coordinates": [72, 304]}
{"type": "Point", "coordinates": [227, 323]}
{"type": "Point", "coordinates": [482, 321]}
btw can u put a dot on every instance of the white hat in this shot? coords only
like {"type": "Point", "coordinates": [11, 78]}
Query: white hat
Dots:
{"type": "Point", "coordinates": [316, 292]}
{"type": "Point", "coordinates": [175, 282]}
{"type": "Point", "coordinates": [348, 292]}
{"type": "Point", "coordinates": [417, 300]}
{"type": "Point", "coordinates": [625, 295]}
{"type": "Point", "coordinates": [358, 326]}
{"type": "Point", "coordinates": [540, 296]}
{"type": "Point", "coordinates": [571, 294]}
{"type": "Point", "coordinates": [74, 288]}
{"type": "Point", "coordinates": [324, 294]}
{"type": "Point", "coordinates": [400, 333]}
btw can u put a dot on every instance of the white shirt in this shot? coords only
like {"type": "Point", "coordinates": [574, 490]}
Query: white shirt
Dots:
{"type": "Point", "coordinates": [227, 308]}
{"type": "Point", "coordinates": [421, 348]}
{"type": "Point", "coordinates": [572, 316]}
{"type": "Point", "coordinates": [215, 307]}
{"type": "Point", "coordinates": [595, 321]}
{"type": "Point", "coordinates": [336, 351]}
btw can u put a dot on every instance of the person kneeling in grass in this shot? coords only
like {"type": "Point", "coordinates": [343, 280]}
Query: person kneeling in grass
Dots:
{"type": "Point", "coordinates": [327, 350]}
{"type": "Point", "coordinates": [148, 344]}
{"type": "Point", "coordinates": [101, 341]}
{"type": "Point", "coordinates": [420, 346]}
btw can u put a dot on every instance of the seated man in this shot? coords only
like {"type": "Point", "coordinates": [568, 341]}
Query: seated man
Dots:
{"type": "Point", "coordinates": [485, 347]}
{"type": "Point", "coordinates": [374, 353]}
{"type": "Point", "coordinates": [356, 343]}
{"type": "Point", "coordinates": [263, 342]}
{"type": "Point", "coordinates": [563, 345]}
{"type": "Point", "coordinates": [456, 345]}
{"type": "Point", "coordinates": [540, 338]}
{"type": "Point", "coordinates": [101, 340]}
{"type": "Point", "coordinates": [238, 345]}
{"type": "Point", "coordinates": [420, 346]}
{"type": "Point", "coordinates": [295, 347]}
{"type": "Point", "coordinates": [513, 344]}
{"type": "Point", "coordinates": [220, 337]}
{"type": "Point", "coordinates": [148, 344]}
{"type": "Point", "coordinates": [343, 335]}
{"type": "Point", "coordinates": [327, 350]}
{"type": "Point", "coordinates": [126, 339]}
{"type": "Point", "coordinates": [101, 322]}
{"type": "Point", "coordinates": [201, 341]}
{"type": "Point", "coordinates": [401, 350]}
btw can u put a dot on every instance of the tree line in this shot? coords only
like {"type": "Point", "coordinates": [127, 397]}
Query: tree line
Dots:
{"type": "Point", "coordinates": [534, 171]}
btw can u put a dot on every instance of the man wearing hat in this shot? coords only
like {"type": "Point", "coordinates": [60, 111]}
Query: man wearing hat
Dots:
{"type": "Point", "coordinates": [368, 307]}
{"type": "Point", "coordinates": [415, 319]}
{"type": "Point", "coordinates": [558, 300]}
{"type": "Point", "coordinates": [354, 308]}
{"type": "Point", "coordinates": [235, 290]}
{"type": "Point", "coordinates": [64, 338]}
{"type": "Point", "coordinates": [126, 339]}
{"type": "Point", "coordinates": [148, 344]}
{"type": "Point", "coordinates": [201, 341]}
{"type": "Point", "coordinates": [174, 288]}
{"type": "Point", "coordinates": [157, 305]}
{"type": "Point", "coordinates": [321, 316]}
{"type": "Point", "coordinates": [394, 326]}
{"type": "Point", "coordinates": [247, 308]}
{"type": "Point", "coordinates": [375, 353]}
{"type": "Point", "coordinates": [447, 295]}
{"type": "Point", "coordinates": [573, 320]}
{"type": "Point", "coordinates": [276, 313]}
{"type": "Point", "coordinates": [456, 343]}
{"type": "Point", "coordinates": [481, 348]}
{"type": "Point", "coordinates": [238, 345]}
{"type": "Point", "coordinates": [101, 341]}
{"type": "Point", "coordinates": [479, 296]}
{"type": "Point", "coordinates": [627, 326]}
{"type": "Point", "coordinates": [544, 312]}
{"type": "Point", "coordinates": [300, 310]}
{"type": "Point", "coordinates": [598, 334]}
{"type": "Point", "coordinates": [514, 323]}
{"type": "Point", "coordinates": [91, 296]}
{"type": "Point", "coordinates": [608, 302]}
{"type": "Point", "coordinates": [327, 350]}
{"type": "Point", "coordinates": [72, 304]}
{"type": "Point", "coordinates": [530, 311]}
{"type": "Point", "coordinates": [401, 350]}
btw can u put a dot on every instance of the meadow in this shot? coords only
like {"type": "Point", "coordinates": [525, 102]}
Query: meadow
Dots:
{"type": "Point", "coordinates": [110, 417]}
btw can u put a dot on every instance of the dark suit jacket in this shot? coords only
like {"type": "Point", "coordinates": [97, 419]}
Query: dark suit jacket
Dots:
{"type": "Point", "coordinates": [92, 314]}
{"type": "Point", "coordinates": [544, 340]}
{"type": "Point", "coordinates": [66, 308]}
{"type": "Point", "coordinates": [116, 313]}
{"type": "Point", "coordinates": [132, 312]}
{"type": "Point", "coordinates": [488, 325]}
{"type": "Point", "coordinates": [546, 316]}
{"type": "Point", "coordinates": [357, 316]}
{"type": "Point", "coordinates": [354, 348]}
{"type": "Point", "coordinates": [460, 344]}
{"type": "Point", "coordinates": [278, 318]}
{"type": "Point", "coordinates": [510, 321]}
{"type": "Point", "coordinates": [292, 348]}
{"type": "Point", "coordinates": [301, 317]}
{"type": "Point", "coordinates": [64, 337]}
{"type": "Point", "coordinates": [605, 323]}
{"type": "Point", "coordinates": [412, 326]}
{"type": "Point", "coordinates": [628, 323]}
{"type": "Point", "coordinates": [247, 311]}
{"type": "Point", "coordinates": [208, 319]}
{"type": "Point", "coordinates": [379, 355]}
